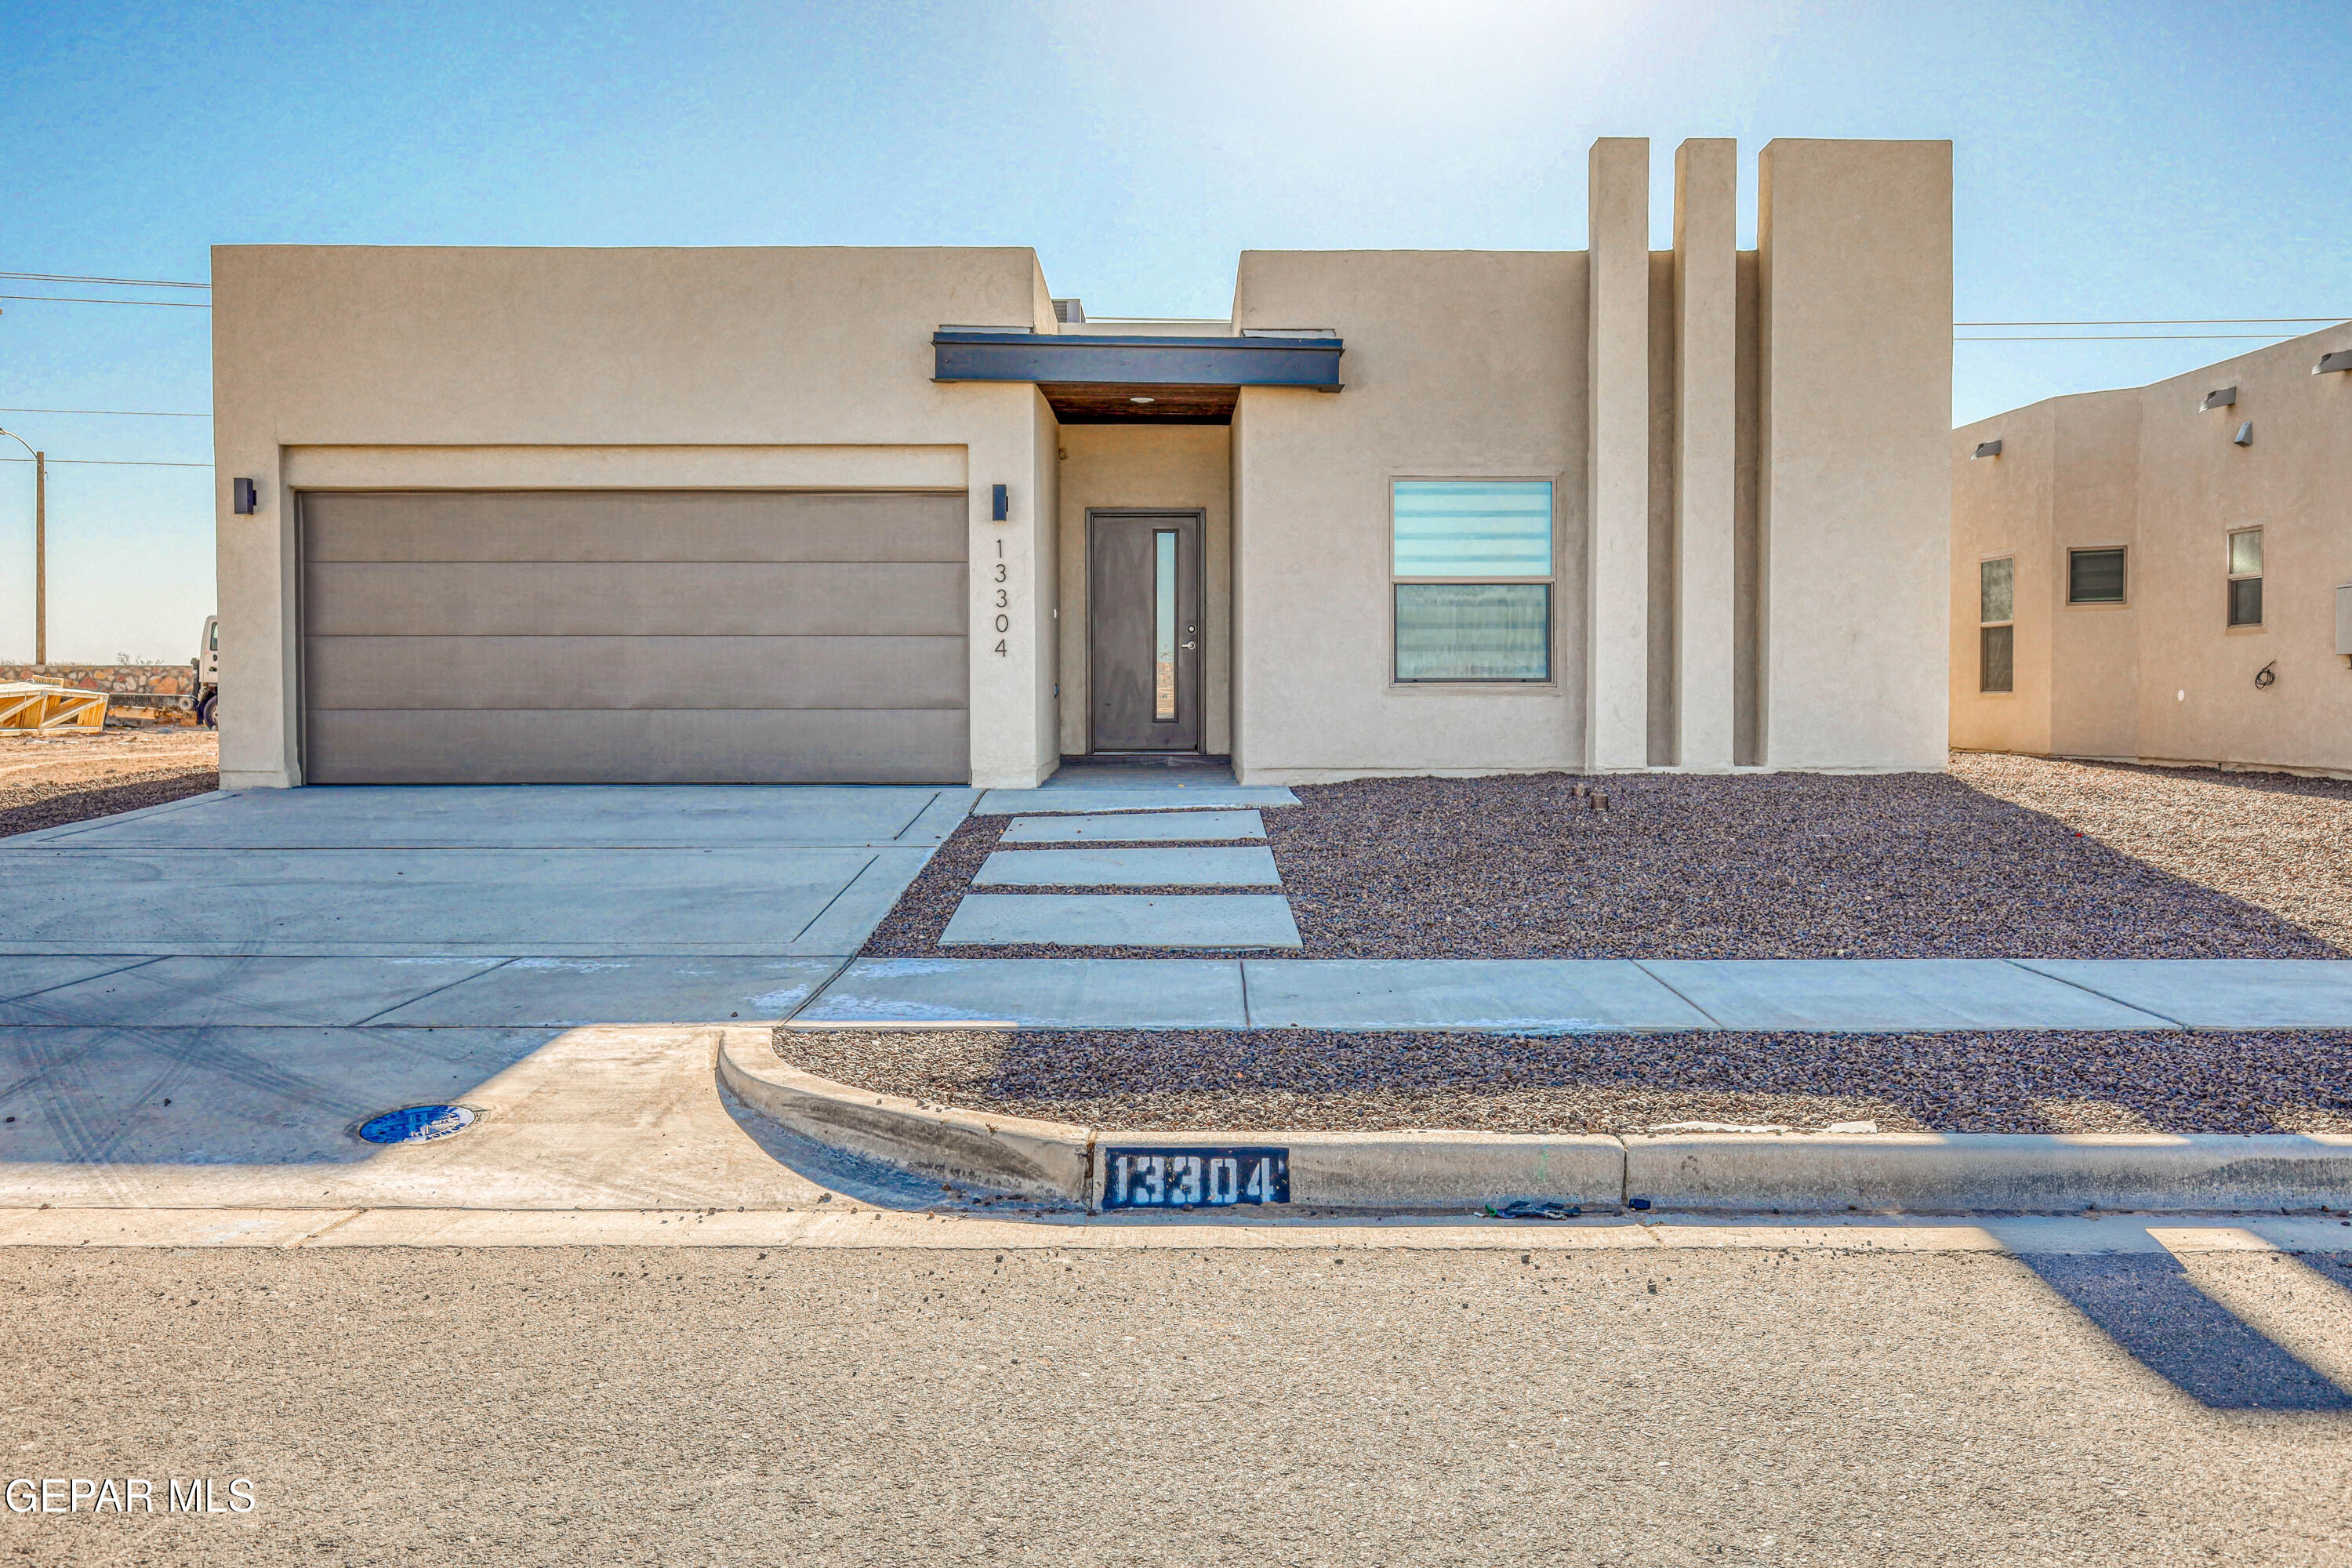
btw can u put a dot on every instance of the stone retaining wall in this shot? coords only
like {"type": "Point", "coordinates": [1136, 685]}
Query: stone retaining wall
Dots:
{"type": "Point", "coordinates": [161, 691]}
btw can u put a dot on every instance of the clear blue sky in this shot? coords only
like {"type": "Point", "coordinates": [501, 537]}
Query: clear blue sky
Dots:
{"type": "Point", "coordinates": [2143, 160]}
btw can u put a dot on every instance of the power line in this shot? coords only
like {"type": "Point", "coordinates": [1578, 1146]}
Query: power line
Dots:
{"type": "Point", "coordinates": [110, 463]}
{"type": "Point", "coordinates": [126, 413]}
{"type": "Point", "coordinates": [2134, 338]}
{"type": "Point", "coordinates": [125, 282]}
{"type": "Point", "coordinates": [82, 299]}
{"type": "Point", "coordinates": [2169, 321]}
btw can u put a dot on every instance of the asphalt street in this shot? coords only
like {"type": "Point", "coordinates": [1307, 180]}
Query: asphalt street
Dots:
{"type": "Point", "coordinates": [1180, 1405]}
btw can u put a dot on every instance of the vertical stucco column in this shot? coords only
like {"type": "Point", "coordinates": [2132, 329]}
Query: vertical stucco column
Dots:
{"type": "Point", "coordinates": [1706, 301]}
{"type": "Point", "coordinates": [1013, 724]}
{"type": "Point", "coordinates": [1854, 499]}
{"type": "Point", "coordinates": [1617, 565]}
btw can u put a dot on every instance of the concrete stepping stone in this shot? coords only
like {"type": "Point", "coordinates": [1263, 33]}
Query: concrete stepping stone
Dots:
{"type": "Point", "coordinates": [1094, 798]}
{"type": "Point", "coordinates": [2219, 993]}
{"type": "Point", "coordinates": [1525, 996]}
{"type": "Point", "coordinates": [1891, 994]}
{"type": "Point", "coordinates": [1122, 920]}
{"type": "Point", "coordinates": [1236, 868]}
{"type": "Point", "coordinates": [1034, 993]}
{"type": "Point", "coordinates": [1134, 828]}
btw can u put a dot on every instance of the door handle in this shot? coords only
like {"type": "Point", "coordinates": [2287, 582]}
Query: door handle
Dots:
{"type": "Point", "coordinates": [1188, 644]}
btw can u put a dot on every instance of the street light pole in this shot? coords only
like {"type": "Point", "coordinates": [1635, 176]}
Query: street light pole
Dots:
{"type": "Point", "coordinates": [40, 548]}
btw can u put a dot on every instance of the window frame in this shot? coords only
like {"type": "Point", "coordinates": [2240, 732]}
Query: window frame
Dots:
{"type": "Point", "coordinates": [2231, 580]}
{"type": "Point", "coordinates": [1984, 625]}
{"type": "Point", "coordinates": [2124, 602]}
{"type": "Point", "coordinates": [1549, 581]}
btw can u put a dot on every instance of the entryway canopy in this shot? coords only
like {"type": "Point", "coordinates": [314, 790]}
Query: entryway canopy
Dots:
{"type": "Point", "coordinates": [1102, 378]}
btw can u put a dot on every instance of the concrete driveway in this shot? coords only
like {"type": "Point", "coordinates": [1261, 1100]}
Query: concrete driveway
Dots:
{"type": "Point", "coordinates": [232, 980]}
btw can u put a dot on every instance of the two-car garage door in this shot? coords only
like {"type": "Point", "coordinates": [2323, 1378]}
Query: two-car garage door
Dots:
{"type": "Point", "coordinates": [644, 637]}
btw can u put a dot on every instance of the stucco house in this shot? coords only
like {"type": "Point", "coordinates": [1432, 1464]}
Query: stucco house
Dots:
{"type": "Point", "coordinates": [2163, 573]}
{"type": "Point", "coordinates": [826, 514]}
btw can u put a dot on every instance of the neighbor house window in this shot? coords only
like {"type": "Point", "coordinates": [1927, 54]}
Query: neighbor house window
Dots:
{"type": "Point", "coordinates": [1997, 625]}
{"type": "Point", "coordinates": [2095, 576]}
{"type": "Point", "coordinates": [2246, 577]}
{"type": "Point", "coordinates": [1471, 568]}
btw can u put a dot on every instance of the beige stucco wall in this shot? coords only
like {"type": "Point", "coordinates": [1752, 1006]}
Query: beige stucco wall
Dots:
{"type": "Point", "coordinates": [725, 367]}
{"type": "Point", "coordinates": [1459, 364]}
{"type": "Point", "coordinates": [1183, 467]}
{"type": "Point", "coordinates": [2165, 678]}
{"type": "Point", "coordinates": [1854, 240]}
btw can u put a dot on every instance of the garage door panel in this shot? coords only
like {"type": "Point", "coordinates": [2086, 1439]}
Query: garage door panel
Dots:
{"type": "Point", "coordinates": [634, 599]}
{"type": "Point", "coordinates": [642, 746]}
{"type": "Point", "coordinates": [655, 636]}
{"type": "Point", "coordinates": [643, 525]}
{"type": "Point", "coordinates": [615, 672]}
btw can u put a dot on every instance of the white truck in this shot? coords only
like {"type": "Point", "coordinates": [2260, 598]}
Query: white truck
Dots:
{"type": "Point", "coordinates": [207, 667]}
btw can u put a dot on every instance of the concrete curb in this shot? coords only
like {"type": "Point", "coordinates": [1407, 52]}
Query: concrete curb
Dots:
{"type": "Point", "coordinates": [1965, 1172]}
{"type": "Point", "coordinates": [1796, 1173]}
{"type": "Point", "coordinates": [1010, 1154]}
{"type": "Point", "coordinates": [1414, 1169]}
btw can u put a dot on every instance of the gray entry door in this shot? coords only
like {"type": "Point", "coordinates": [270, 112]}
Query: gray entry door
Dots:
{"type": "Point", "coordinates": [1143, 631]}
{"type": "Point", "coordinates": [634, 636]}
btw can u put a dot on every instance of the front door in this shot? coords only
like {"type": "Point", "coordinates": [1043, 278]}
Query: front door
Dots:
{"type": "Point", "coordinates": [1144, 631]}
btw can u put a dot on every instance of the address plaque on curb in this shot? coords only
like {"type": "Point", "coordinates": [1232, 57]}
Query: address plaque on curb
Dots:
{"type": "Point", "coordinates": [1194, 1178]}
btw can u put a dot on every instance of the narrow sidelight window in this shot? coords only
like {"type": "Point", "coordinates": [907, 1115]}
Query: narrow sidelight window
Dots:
{"type": "Point", "coordinates": [1163, 625]}
{"type": "Point", "coordinates": [1997, 625]}
{"type": "Point", "coordinates": [2246, 577]}
{"type": "Point", "coordinates": [1470, 562]}
{"type": "Point", "coordinates": [2095, 576]}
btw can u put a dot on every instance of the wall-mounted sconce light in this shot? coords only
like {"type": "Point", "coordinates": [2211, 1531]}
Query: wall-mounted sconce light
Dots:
{"type": "Point", "coordinates": [2245, 435]}
{"type": "Point", "coordinates": [2223, 398]}
{"type": "Point", "coordinates": [1986, 449]}
{"type": "Point", "coordinates": [243, 496]}
{"type": "Point", "coordinates": [2340, 359]}
{"type": "Point", "coordinates": [1000, 503]}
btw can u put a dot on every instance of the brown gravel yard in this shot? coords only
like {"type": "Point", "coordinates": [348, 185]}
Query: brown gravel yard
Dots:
{"type": "Point", "coordinates": [2003, 858]}
{"type": "Point", "coordinates": [1310, 1079]}
{"type": "Point", "coordinates": [48, 779]}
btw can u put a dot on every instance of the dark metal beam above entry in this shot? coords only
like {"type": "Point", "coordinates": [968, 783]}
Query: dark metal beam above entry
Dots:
{"type": "Point", "coordinates": [1143, 363]}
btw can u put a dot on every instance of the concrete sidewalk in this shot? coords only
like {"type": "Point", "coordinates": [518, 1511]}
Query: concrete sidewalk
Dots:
{"type": "Point", "coordinates": [1537, 997]}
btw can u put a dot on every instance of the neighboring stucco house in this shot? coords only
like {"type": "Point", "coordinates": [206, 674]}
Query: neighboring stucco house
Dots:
{"type": "Point", "coordinates": [2163, 573]}
{"type": "Point", "coordinates": [774, 514]}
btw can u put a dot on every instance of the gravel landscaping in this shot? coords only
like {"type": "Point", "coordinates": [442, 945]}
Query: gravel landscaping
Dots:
{"type": "Point", "coordinates": [1308, 1079]}
{"type": "Point", "coordinates": [48, 780]}
{"type": "Point", "coordinates": [2003, 858]}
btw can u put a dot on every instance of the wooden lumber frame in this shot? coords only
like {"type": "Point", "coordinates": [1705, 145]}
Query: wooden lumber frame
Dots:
{"type": "Point", "coordinates": [26, 706]}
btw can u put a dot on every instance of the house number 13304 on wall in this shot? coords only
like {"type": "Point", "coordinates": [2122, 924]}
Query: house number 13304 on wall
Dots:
{"type": "Point", "coordinates": [1000, 594]}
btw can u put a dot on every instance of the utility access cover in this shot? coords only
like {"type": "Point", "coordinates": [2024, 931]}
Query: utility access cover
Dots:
{"type": "Point", "coordinates": [417, 1124]}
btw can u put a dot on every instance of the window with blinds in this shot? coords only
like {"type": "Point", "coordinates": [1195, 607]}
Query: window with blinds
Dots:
{"type": "Point", "coordinates": [1471, 570]}
{"type": "Point", "coordinates": [1997, 625]}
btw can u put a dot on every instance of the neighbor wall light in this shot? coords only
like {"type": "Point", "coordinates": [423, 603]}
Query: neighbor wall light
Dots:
{"type": "Point", "coordinates": [244, 496]}
{"type": "Point", "coordinates": [2222, 398]}
{"type": "Point", "coordinates": [1986, 449]}
{"type": "Point", "coordinates": [2245, 435]}
{"type": "Point", "coordinates": [1000, 503]}
{"type": "Point", "coordinates": [2340, 359]}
